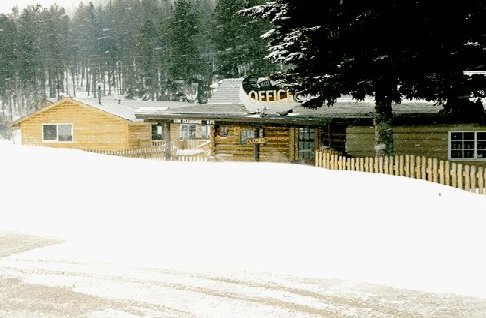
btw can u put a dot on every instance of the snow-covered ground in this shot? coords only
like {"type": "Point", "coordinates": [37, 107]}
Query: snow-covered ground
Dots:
{"type": "Point", "coordinates": [140, 238]}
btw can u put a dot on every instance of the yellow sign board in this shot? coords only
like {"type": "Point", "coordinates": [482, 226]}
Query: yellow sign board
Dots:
{"type": "Point", "coordinates": [256, 141]}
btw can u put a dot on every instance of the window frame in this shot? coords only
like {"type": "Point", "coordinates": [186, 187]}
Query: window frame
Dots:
{"type": "Point", "coordinates": [57, 133]}
{"type": "Point", "coordinates": [474, 149]}
{"type": "Point", "coordinates": [205, 132]}
{"type": "Point", "coordinates": [244, 137]}
{"type": "Point", "coordinates": [306, 153]}
{"type": "Point", "coordinates": [223, 131]}
{"type": "Point", "coordinates": [181, 129]}
{"type": "Point", "coordinates": [155, 132]}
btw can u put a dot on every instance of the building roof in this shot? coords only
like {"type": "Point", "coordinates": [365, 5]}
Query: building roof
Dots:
{"type": "Point", "coordinates": [348, 108]}
{"type": "Point", "coordinates": [227, 103]}
{"type": "Point", "coordinates": [122, 108]}
{"type": "Point", "coordinates": [227, 92]}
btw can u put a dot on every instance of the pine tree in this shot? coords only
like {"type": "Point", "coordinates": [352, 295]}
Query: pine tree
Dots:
{"type": "Point", "coordinates": [240, 50]}
{"type": "Point", "coordinates": [8, 61]}
{"type": "Point", "coordinates": [147, 44]}
{"type": "Point", "coordinates": [391, 49]}
{"type": "Point", "coordinates": [184, 55]}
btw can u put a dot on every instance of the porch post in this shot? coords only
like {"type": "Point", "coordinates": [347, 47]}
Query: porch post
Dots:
{"type": "Point", "coordinates": [167, 138]}
{"type": "Point", "coordinates": [256, 149]}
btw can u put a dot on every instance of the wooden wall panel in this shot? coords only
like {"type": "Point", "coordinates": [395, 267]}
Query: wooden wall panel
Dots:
{"type": "Point", "coordinates": [92, 128]}
{"type": "Point", "coordinates": [139, 135]}
{"type": "Point", "coordinates": [419, 140]}
{"type": "Point", "coordinates": [276, 149]}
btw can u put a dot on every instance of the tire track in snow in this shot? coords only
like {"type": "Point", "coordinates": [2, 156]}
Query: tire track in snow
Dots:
{"type": "Point", "coordinates": [330, 299]}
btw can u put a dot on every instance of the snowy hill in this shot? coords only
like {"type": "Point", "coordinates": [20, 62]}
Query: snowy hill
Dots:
{"type": "Point", "coordinates": [248, 222]}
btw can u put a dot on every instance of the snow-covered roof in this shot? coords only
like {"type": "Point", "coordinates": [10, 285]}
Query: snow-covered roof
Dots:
{"type": "Point", "coordinates": [126, 108]}
{"type": "Point", "coordinates": [227, 92]}
{"type": "Point", "coordinates": [347, 108]}
{"type": "Point", "coordinates": [227, 102]}
{"type": "Point", "coordinates": [110, 106]}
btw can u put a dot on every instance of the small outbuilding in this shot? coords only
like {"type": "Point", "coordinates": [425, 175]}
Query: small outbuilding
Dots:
{"type": "Point", "coordinates": [89, 125]}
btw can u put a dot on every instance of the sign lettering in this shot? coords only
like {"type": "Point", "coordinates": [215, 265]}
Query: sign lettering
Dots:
{"type": "Point", "coordinates": [193, 121]}
{"type": "Point", "coordinates": [256, 141]}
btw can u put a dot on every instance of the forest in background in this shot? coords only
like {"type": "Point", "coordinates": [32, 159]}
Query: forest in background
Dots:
{"type": "Point", "coordinates": [144, 49]}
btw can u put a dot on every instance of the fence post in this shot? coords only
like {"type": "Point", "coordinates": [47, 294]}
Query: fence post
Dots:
{"type": "Point", "coordinates": [424, 168]}
{"type": "Point", "coordinates": [391, 163]}
{"type": "Point", "coordinates": [353, 162]}
{"type": "Point", "coordinates": [447, 173]}
{"type": "Point", "coordinates": [386, 165]}
{"type": "Point", "coordinates": [401, 165]}
{"type": "Point", "coordinates": [481, 180]}
{"type": "Point", "coordinates": [434, 170]}
{"type": "Point", "coordinates": [429, 170]}
{"type": "Point", "coordinates": [467, 178]}
{"type": "Point", "coordinates": [441, 172]}
{"type": "Point", "coordinates": [460, 174]}
{"type": "Point", "coordinates": [380, 164]}
{"type": "Point", "coordinates": [412, 166]}
{"type": "Point", "coordinates": [454, 175]}
{"type": "Point", "coordinates": [473, 179]}
{"type": "Point", "coordinates": [407, 166]}
{"type": "Point", "coordinates": [418, 174]}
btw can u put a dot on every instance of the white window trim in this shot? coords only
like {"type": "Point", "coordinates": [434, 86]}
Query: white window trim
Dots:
{"type": "Point", "coordinates": [252, 130]}
{"type": "Point", "coordinates": [57, 131]}
{"type": "Point", "coordinates": [181, 137]}
{"type": "Point", "coordinates": [449, 143]}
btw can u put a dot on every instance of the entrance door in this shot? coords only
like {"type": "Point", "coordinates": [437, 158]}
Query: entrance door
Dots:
{"type": "Point", "coordinates": [306, 144]}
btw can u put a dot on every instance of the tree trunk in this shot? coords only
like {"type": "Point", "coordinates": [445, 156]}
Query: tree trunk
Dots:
{"type": "Point", "coordinates": [384, 145]}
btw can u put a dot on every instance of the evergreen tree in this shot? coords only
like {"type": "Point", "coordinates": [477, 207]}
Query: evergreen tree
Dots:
{"type": "Point", "coordinates": [240, 49]}
{"type": "Point", "coordinates": [147, 58]}
{"type": "Point", "coordinates": [8, 60]}
{"type": "Point", "coordinates": [391, 49]}
{"type": "Point", "coordinates": [30, 76]}
{"type": "Point", "coordinates": [185, 59]}
{"type": "Point", "coordinates": [53, 34]}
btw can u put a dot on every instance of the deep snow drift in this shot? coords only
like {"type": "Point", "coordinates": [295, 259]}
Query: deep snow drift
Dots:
{"type": "Point", "coordinates": [256, 217]}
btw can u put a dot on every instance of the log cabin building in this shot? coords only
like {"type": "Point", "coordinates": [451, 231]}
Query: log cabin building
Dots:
{"type": "Point", "coordinates": [90, 124]}
{"type": "Point", "coordinates": [278, 130]}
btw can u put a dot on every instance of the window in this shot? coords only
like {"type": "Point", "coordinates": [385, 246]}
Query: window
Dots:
{"type": "Point", "coordinates": [57, 132]}
{"type": "Point", "coordinates": [188, 132]}
{"type": "Point", "coordinates": [467, 145]}
{"type": "Point", "coordinates": [306, 143]}
{"type": "Point", "coordinates": [157, 132]}
{"type": "Point", "coordinates": [247, 134]}
{"type": "Point", "coordinates": [223, 131]}
{"type": "Point", "coordinates": [205, 129]}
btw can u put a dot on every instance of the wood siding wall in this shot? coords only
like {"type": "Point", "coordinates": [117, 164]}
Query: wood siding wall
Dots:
{"type": "Point", "coordinates": [282, 143]}
{"type": "Point", "coordinates": [420, 140]}
{"type": "Point", "coordinates": [139, 135]}
{"type": "Point", "coordinates": [276, 149]}
{"type": "Point", "coordinates": [92, 128]}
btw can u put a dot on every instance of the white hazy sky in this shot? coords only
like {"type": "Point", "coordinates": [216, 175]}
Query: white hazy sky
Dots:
{"type": "Point", "coordinates": [7, 5]}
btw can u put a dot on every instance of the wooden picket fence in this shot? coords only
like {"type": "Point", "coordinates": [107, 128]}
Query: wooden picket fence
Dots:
{"type": "Point", "coordinates": [151, 153]}
{"type": "Point", "coordinates": [465, 177]}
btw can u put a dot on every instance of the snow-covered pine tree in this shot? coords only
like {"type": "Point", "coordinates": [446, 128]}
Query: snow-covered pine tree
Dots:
{"type": "Point", "coordinates": [184, 55]}
{"type": "Point", "coordinates": [239, 48]}
{"type": "Point", "coordinates": [391, 49]}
